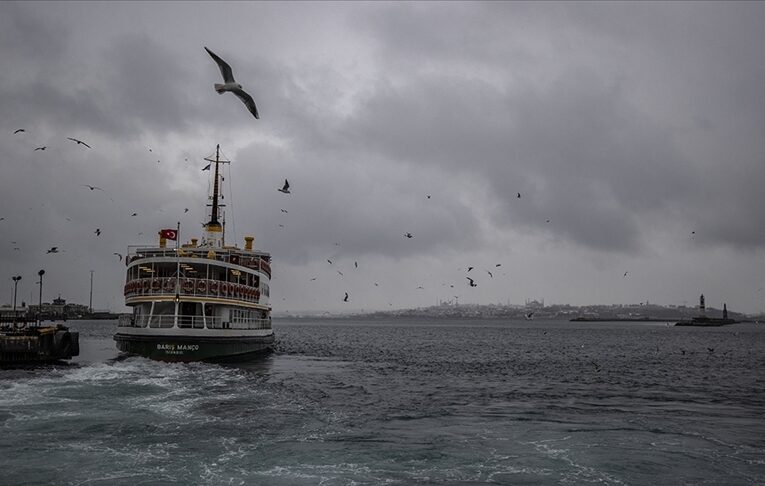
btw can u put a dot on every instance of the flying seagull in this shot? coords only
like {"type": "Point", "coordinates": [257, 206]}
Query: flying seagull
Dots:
{"type": "Point", "coordinates": [345, 299]}
{"type": "Point", "coordinates": [118, 254]}
{"type": "Point", "coordinates": [97, 232]}
{"type": "Point", "coordinates": [330, 261]}
{"type": "Point", "coordinates": [134, 214]}
{"type": "Point", "coordinates": [625, 274]}
{"type": "Point", "coordinates": [53, 249]}
{"type": "Point", "coordinates": [286, 188]}
{"type": "Point", "coordinates": [528, 316]}
{"type": "Point", "coordinates": [231, 85]}
{"type": "Point", "coordinates": [490, 274]}
{"type": "Point", "coordinates": [283, 210]}
{"type": "Point", "coordinates": [519, 195]}
{"type": "Point", "coordinates": [40, 148]}
{"type": "Point", "coordinates": [19, 131]}
{"type": "Point", "coordinates": [408, 235]}
{"type": "Point", "coordinates": [79, 142]}
{"type": "Point", "coordinates": [92, 188]}
{"type": "Point", "coordinates": [185, 210]}
{"type": "Point", "coordinates": [470, 268]}
{"type": "Point", "coordinates": [472, 284]}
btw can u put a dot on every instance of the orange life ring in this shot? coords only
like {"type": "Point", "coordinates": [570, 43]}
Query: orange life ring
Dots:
{"type": "Point", "coordinates": [214, 286]}
{"type": "Point", "coordinates": [145, 284]}
{"type": "Point", "coordinates": [201, 286]}
{"type": "Point", "coordinates": [155, 284]}
{"type": "Point", "coordinates": [224, 288]}
{"type": "Point", "coordinates": [188, 286]}
{"type": "Point", "coordinates": [169, 285]}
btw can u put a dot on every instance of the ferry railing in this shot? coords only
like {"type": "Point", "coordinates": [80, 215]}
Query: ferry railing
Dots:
{"type": "Point", "coordinates": [191, 322]}
{"type": "Point", "coordinates": [192, 287]}
{"type": "Point", "coordinates": [243, 324]}
{"type": "Point", "coordinates": [234, 257]}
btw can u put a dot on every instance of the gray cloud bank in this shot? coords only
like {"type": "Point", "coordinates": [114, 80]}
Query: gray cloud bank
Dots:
{"type": "Point", "coordinates": [625, 127]}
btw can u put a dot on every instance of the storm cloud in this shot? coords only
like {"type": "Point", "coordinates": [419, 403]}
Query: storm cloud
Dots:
{"type": "Point", "coordinates": [632, 131]}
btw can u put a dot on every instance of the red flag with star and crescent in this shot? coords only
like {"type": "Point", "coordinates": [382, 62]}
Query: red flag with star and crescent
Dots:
{"type": "Point", "coordinates": [169, 234]}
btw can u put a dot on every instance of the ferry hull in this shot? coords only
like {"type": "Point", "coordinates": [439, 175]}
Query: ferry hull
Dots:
{"type": "Point", "coordinates": [187, 348]}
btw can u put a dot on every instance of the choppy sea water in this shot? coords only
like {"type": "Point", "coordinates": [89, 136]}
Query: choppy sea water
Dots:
{"type": "Point", "coordinates": [401, 402]}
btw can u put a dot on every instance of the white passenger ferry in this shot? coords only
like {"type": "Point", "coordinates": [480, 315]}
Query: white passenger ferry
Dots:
{"type": "Point", "coordinates": [201, 300]}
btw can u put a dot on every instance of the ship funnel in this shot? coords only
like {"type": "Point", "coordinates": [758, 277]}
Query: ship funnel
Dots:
{"type": "Point", "coordinates": [248, 242]}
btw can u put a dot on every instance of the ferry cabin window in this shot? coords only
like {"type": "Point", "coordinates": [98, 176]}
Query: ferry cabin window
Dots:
{"type": "Point", "coordinates": [164, 308]}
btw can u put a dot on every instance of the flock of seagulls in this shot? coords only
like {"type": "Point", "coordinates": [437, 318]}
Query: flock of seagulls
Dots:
{"type": "Point", "coordinates": [230, 85]}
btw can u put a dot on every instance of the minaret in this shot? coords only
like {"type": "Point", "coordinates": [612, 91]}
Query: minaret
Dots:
{"type": "Point", "coordinates": [725, 310]}
{"type": "Point", "coordinates": [702, 307]}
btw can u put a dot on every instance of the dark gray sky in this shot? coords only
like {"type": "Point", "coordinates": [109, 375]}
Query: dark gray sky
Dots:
{"type": "Point", "coordinates": [629, 126]}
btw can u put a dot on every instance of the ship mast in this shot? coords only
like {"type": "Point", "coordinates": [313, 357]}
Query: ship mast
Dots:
{"type": "Point", "coordinates": [213, 228]}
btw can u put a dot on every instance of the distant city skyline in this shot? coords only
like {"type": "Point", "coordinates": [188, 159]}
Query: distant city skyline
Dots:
{"type": "Point", "coordinates": [585, 153]}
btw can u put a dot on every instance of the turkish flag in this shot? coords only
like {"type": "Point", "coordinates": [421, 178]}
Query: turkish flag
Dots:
{"type": "Point", "coordinates": [169, 234]}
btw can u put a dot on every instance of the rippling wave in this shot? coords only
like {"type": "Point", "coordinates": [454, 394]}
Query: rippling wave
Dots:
{"type": "Point", "coordinates": [391, 402]}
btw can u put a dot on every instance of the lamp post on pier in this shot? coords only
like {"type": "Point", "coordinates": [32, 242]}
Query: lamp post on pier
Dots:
{"type": "Point", "coordinates": [39, 307]}
{"type": "Point", "coordinates": [15, 285]}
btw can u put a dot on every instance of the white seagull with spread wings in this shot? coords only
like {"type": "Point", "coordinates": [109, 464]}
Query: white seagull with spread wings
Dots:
{"type": "Point", "coordinates": [231, 85]}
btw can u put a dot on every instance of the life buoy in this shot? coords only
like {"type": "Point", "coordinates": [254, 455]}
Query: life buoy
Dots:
{"type": "Point", "coordinates": [169, 285]}
{"type": "Point", "coordinates": [188, 286]}
{"type": "Point", "coordinates": [155, 284]}
{"type": "Point", "coordinates": [257, 295]}
{"type": "Point", "coordinates": [214, 287]}
{"type": "Point", "coordinates": [201, 286]}
{"type": "Point", "coordinates": [145, 284]}
{"type": "Point", "coordinates": [224, 288]}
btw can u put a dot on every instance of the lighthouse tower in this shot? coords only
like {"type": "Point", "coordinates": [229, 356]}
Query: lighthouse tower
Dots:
{"type": "Point", "coordinates": [702, 307]}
